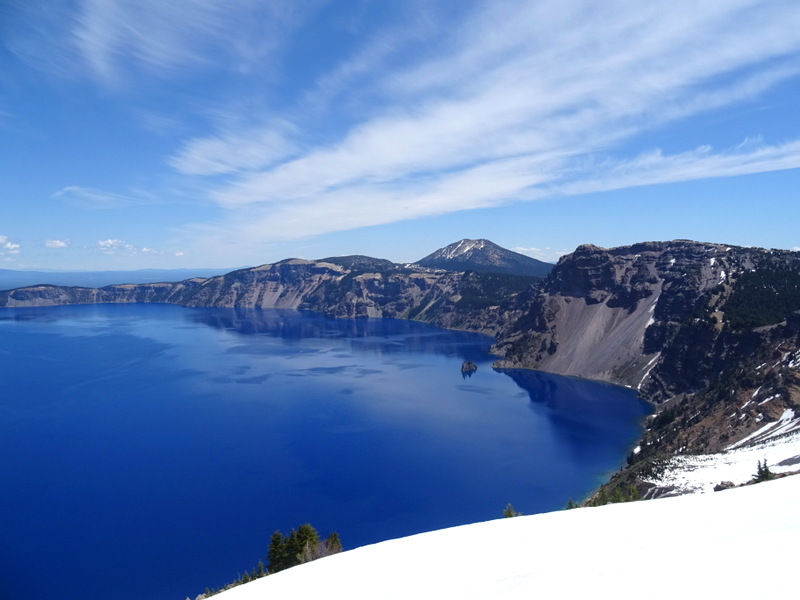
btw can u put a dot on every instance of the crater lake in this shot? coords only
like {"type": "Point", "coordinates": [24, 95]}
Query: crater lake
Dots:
{"type": "Point", "coordinates": [150, 451]}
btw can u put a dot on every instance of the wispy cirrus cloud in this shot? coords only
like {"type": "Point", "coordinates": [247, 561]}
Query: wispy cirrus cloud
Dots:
{"type": "Point", "coordinates": [518, 101]}
{"type": "Point", "coordinates": [234, 152]}
{"type": "Point", "coordinates": [702, 163]}
{"type": "Point", "coordinates": [111, 40]}
{"type": "Point", "coordinates": [92, 198]}
{"type": "Point", "coordinates": [439, 108]}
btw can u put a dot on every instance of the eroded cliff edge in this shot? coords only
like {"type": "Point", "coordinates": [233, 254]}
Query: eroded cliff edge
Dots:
{"type": "Point", "coordinates": [708, 332]}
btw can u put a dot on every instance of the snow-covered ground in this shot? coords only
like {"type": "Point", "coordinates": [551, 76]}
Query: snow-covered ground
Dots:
{"type": "Point", "coordinates": [737, 543]}
{"type": "Point", "coordinates": [700, 473]}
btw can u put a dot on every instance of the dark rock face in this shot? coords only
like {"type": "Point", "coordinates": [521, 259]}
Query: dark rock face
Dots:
{"type": "Point", "coordinates": [706, 330]}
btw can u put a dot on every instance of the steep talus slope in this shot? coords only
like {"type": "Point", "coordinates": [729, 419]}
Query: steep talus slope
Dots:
{"type": "Point", "coordinates": [593, 315]}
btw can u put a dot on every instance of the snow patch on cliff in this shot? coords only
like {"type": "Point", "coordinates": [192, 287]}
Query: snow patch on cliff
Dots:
{"type": "Point", "coordinates": [785, 424]}
{"type": "Point", "coordinates": [463, 247]}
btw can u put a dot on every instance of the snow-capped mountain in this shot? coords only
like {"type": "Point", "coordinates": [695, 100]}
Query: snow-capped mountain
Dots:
{"type": "Point", "coordinates": [484, 256]}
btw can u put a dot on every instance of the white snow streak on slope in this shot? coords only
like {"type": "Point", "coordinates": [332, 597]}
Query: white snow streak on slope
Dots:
{"type": "Point", "coordinates": [649, 367]}
{"type": "Point", "coordinates": [785, 424]}
{"type": "Point", "coordinates": [581, 553]}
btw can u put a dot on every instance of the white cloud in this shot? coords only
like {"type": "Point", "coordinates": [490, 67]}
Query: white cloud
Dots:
{"type": "Point", "coordinates": [56, 244]}
{"type": "Point", "coordinates": [437, 110]}
{"type": "Point", "coordinates": [7, 246]}
{"type": "Point", "coordinates": [121, 247]}
{"type": "Point", "coordinates": [115, 246]}
{"type": "Point", "coordinates": [521, 101]}
{"type": "Point", "coordinates": [368, 203]}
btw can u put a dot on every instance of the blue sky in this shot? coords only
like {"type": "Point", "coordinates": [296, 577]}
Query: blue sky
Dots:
{"type": "Point", "coordinates": [165, 133]}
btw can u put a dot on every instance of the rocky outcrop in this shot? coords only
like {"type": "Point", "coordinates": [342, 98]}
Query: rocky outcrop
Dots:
{"type": "Point", "coordinates": [612, 314]}
{"type": "Point", "coordinates": [286, 284]}
{"type": "Point", "coordinates": [706, 331]}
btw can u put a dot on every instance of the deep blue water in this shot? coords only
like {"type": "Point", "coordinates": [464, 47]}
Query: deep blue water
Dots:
{"type": "Point", "coordinates": [149, 451]}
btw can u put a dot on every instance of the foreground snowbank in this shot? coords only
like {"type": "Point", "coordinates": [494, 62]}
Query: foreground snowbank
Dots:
{"type": "Point", "coordinates": [737, 542]}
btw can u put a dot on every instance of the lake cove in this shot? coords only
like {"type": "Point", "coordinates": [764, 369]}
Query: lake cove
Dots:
{"type": "Point", "coordinates": [149, 451]}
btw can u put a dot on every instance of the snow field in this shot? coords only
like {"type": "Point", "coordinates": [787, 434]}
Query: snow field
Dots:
{"type": "Point", "coordinates": [664, 548]}
{"type": "Point", "coordinates": [700, 473]}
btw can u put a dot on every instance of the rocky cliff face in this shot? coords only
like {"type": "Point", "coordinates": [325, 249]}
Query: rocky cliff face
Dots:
{"type": "Point", "coordinates": [52, 295]}
{"type": "Point", "coordinates": [342, 287]}
{"type": "Point", "coordinates": [608, 313]}
{"type": "Point", "coordinates": [707, 331]}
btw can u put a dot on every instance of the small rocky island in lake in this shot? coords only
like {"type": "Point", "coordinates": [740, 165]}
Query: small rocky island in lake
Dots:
{"type": "Point", "coordinates": [468, 367]}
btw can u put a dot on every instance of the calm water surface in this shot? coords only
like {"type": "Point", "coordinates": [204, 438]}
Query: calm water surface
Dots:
{"type": "Point", "coordinates": [149, 451]}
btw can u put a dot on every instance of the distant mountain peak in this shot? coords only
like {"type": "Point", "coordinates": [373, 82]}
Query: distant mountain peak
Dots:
{"type": "Point", "coordinates": [484, 256]}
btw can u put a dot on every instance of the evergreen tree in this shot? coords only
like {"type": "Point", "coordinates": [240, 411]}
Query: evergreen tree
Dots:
{"type": "Point", "coordinates": [509, 511]}
{"type": "Point", "coordinates": [300, 546]}
{"type": "Point", "coordinates": [278, 553]}
{"type": "Point", "coordinates": [303, 544]}
{"type": "Point", "coordinates": [333, 545]}
{"type": "Point", "coordinates": [633, 493]}
{"type": "Point", "coordinates": [763, 472]}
